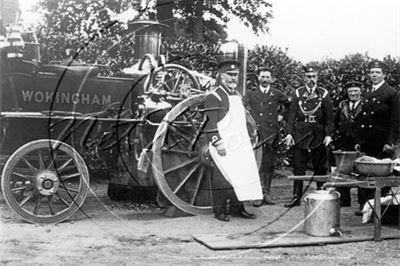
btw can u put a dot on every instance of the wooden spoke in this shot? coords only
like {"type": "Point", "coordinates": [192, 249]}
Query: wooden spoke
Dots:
{"type": "Point", "coordinates": [190, 119]}
{"type": "Point", "coordinates": [31, 167]}
{"type": "Point", "coordinates": [41, 162]}
{"type": "Point", "coordinates": [197, 187]}
{"type": "Point", "coordinates": [62, 199]}
{"type": "Point", "coordinates": [175, 130]}
{"type": "Point", "coordinates": [51, 208]}
{"type": "Point", "coordinates": [65, 177]}
{"type": "Point", "coordinates": [26, 199]}
{"type": "Point", "coordinates": [22, 175]}
{"type": "Point", "coordinates": [167, 88]}
{"type": "Point", "coordinates": [188, 153]}
{"type": "Point", "coordinates": [53, 155]}
{"type": "Point", "coordinates": [197, 134]}
{"type": "Point", "coordinates": [179, 75]}
{"type": "Point", "coordinates": [180, 123]}
{"type": "Point", "coordinates": [176, 167]}
{"type": "Point", "coordinates": [66, 169]}
{"type": "Point", "coordinates": [179, 142]}
{"type": "Point", "coordinates": [184, 180]}
{"type": "Point", "coordinates": [65, 188]}
{"type": "Point", "coordinates": [37, 205]}
{"type": "Point", "coordinates": [59, 169]}
{"type": "Point", "coordinates": [174, 144]}
{"type": "Point", "coordinates": [20, 188]}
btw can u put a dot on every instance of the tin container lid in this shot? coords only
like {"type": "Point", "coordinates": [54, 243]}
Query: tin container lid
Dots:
{"type": "Point", "coordinates": [323, 195]}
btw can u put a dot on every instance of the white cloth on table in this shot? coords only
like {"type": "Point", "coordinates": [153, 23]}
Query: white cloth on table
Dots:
{"type": "Point", "coordinates": [367, 209]}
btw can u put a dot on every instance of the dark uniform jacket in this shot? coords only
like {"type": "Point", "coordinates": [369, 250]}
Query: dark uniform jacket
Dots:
{"type": "Point", "coordinates": [216, 105]}
{"type": "Point", "coordinates": [346, 123]}
{"type": "Point", "coordinates": [379, 121]}
{"type": "Point", "coordinates": [310, 117]}
{"type": "Point", "coordinates": [264, 109]}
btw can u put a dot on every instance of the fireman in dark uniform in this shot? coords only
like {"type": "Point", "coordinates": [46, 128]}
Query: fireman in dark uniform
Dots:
{"type": "Point", "coordinates": [263, 103]}
{"type": "Point", "coordinates": [378, 129]}
{"type": "Point", "coordinates": [310, 130]}
{"type": "Point", "coordinates": [346, 123]}
{"type": "Point", "coordinates": [236, 177]}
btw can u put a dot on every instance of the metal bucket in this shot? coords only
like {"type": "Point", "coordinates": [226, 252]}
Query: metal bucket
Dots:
{"type": "Point", "coordinates": [322, 213]}
{"type": "Point", "coordinates": [345, 160]}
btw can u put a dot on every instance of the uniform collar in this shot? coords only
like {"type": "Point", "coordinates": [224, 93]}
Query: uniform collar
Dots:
{"type": "Point", "coordinates": [353, 105]}
{"type": "Point", "coordinates": [311, 90]}
{"type": "Point", "coordinates": [265, 89]}
{"type": "Point", "coordinates": [377, 86]}
{"type": "Point", "coordinates": [228, 91]}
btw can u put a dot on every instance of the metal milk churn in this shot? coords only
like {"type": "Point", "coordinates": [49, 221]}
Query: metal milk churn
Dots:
{"type": "Point", "coordinates": [322, 213]}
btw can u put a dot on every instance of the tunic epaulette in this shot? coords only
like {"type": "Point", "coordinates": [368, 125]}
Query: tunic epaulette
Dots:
{"type": "Point", "coordinates": [298, 92]}
{"type": "Point", "coordinates": [342, 104]}
{"type": "Point", "coordinates": [324, 91]}
{"type": "Point", "coordinates": [214, 92]}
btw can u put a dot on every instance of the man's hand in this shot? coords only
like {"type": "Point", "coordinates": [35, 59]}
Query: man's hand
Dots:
{"type": "Point", "coordinates": [327, 141]}
{"type": "Point", "coordinates": [388, 147]}
{"type": "Point", "coordinates": [221, 149]}
{"type": "Point", "coordinates": [357, 147]}
{"type": "Point", "coordinates": [289, 141]}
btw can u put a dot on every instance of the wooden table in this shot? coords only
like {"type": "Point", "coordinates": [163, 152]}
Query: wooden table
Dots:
{"type": "Point", "coordinates": [341, 180]}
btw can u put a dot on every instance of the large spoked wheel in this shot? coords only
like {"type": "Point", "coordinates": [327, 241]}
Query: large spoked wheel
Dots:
{"type": "Point", "coordinates": [45, 181]}
{"type": "Point", "coordinates": [182, 165]}
{"type": "Point", "coordinates": [175, 80]}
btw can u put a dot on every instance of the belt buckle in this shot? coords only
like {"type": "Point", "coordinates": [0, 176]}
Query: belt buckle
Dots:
{"type": "Point", "coordinates": [311, 119]}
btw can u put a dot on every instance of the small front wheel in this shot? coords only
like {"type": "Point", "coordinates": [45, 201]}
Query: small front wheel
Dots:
{"type": "Point", "coordinates": [45, 181]}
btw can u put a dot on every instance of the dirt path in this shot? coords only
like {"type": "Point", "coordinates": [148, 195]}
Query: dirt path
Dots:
{"type": "Point", "coordinates": [125, 233]}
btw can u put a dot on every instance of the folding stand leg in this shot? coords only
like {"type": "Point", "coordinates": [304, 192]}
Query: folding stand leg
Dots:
{"type": "Point", "coordinates": [377, 216]}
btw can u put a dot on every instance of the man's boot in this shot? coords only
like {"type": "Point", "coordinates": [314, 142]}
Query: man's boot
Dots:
{"type": "Point", "coordinates": [267, 189]}
{"type": "Point", "coordinates": [245, 214]}
{"type": "Point", "coordinates": [266, 179]}
{"type": "Point", "coordinates": [297, 194]}
{"type": "Point", "coordinates": [223, 213]}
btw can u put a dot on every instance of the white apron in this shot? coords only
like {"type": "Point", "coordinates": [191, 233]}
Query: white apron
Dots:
{"type": "Point", "coordinates": [239, 165]}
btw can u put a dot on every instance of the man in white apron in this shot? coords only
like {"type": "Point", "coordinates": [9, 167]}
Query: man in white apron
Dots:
{"type": "Point", "coordinates": [236, 177]}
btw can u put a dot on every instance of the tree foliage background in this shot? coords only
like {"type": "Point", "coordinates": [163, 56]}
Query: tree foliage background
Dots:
{"type": "Point", "coordinates": [89, 28]}
{"type": "Point", "coordinates": [86, 31]}
{"type": "Point", "coordinates": [205, 20]}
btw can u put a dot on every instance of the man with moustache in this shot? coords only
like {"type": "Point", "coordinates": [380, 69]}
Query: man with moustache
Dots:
{"type": "Point", "coordinates": [310, 130]}
{"type": "Point", "coordinates": [378, 129]}
{"type": "Point", "coordinates": [236, 177]}
{"type": "Point", "coordinates": [263, 103]}
{"type": "Point", "coordinates": [346, 120]}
